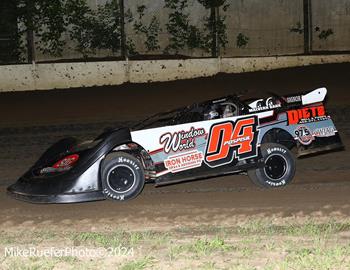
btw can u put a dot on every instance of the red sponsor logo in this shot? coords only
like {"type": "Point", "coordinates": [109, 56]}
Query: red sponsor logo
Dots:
{"type": "Point", "coordinates": [185, 161]}
{"type": "Point", "coordinates": [229, 140]}
{"type": "Point", "coordinates": [294, 116]}
{"type": "Point", "coordinates": [68, 161]}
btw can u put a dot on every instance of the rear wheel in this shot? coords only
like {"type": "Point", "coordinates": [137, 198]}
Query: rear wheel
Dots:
{"type": "Point", "coordinates": [278, 169]}
{"type": "Point", "coordinates": [122, 176]}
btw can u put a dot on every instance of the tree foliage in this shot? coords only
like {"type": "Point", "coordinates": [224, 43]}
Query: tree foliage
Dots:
{"type": "Point", "coordinates": [89, 29]}
{"type": "Point", "coordinates": [150, 31]}
{"type": "Point", "coordinates": [94, 29]}
{"type": "Point", "coordinates": [100, 29]}
{"type": "Point", "coordinates": [183, 34]}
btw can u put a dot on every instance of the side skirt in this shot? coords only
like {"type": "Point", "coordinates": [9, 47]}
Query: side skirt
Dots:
{"type": "Point", "coordinates": [192, 175]}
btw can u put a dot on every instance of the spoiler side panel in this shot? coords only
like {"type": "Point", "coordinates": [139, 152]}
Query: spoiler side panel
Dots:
{"type": "Point", "coordinates": [311, 127]}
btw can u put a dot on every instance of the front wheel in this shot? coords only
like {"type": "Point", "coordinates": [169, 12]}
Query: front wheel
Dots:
{"type": "Point", "coordinates": [278, 169]}
{"type": "Point", "coordinates": [122, 176]}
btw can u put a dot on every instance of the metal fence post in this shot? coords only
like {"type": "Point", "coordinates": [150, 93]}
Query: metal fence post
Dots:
{"type": "Point", "coordinates": [30, 33]}
{"type": "Point", "coordinates": [123, 48]}
{"type": "Point", "coordinates": [217, 42]}
{"type": "Point", "coordinates": [213, 21]}
{"type": "Point", "coordinates": [307, 26]}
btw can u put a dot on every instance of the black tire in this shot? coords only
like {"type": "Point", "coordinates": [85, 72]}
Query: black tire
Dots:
{"type": "Point", "coordinates": [279, 167]}
{"type": "Point", "coordinates": [122, 176]}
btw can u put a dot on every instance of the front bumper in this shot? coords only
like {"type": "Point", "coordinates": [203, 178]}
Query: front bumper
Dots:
{"type": "Point", "coordinates": [59, 198]}
{"type": "Point", "coordinates": [79, 184]}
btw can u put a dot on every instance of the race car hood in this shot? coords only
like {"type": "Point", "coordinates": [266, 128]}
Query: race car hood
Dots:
{"type": "Point", "coordinates": [82, 178]}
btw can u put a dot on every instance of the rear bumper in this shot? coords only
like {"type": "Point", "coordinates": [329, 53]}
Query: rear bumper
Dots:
{"type": "Point", "coordinates": [59, 198]}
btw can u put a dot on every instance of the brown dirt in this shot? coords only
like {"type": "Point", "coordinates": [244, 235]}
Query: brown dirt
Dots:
{"type": "Point", "coordinates": [33, 120]}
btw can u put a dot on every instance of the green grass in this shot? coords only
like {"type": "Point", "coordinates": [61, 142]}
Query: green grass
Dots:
{"type": "Point", "coordinates": [119, 238]}
{"type": "Point", "coordinates": [199, 247]}
{"type": "Point", "coordinates": [317, 257]}
{"type": "Point", "coordinates": [205, 246]}
{"type": "Point", "coordinates": [69, 259]}
{"type": "Point", "coordinates": [17, 263]}
{"type": "Point", "coordinates": [247, 251]}
{"type": "Point", "coordinates": [25, 237]}
{"type": "Point", "coordinates": [267, 227]}
{"type": "Point", "coordinates": [208, 266]}
{"type": "Point", "coordinates": [259, 243]}
{"type": "Point", "coordinates": [310, 228]}
{"type": "Point", "coordinates": [201, 229]}
{"type": "Point", "coordinates": [31, 264]}
{"type": "Point", "coordinates": [138, 264]}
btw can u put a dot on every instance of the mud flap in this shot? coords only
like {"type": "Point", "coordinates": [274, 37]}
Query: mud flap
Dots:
{"type": "Point", "coordinates": [319, 145]}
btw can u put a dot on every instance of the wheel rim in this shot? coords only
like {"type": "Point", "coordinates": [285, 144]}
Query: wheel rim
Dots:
{"type": "Point", "coordinates": [121, 178]}
{"type": "Point", "coordinates": [275, 167]}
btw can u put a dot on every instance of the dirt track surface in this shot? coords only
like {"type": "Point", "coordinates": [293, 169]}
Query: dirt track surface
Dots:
{"type": "Point", "coordinates": [224, 202]}
{"type": "Point", "coordinates": [33, 120]}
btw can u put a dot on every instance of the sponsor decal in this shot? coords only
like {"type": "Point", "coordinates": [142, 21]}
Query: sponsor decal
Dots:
{"type": "Point", "coordinates": [184, 161]}
{"type": "Point", "coordinates": [219, 100]}
{"type": "Point", "coordinates": [263, 108]}
{"type": "Point", "coordinates": [129, 161]}
{"type": "Point", "coordinates": [304, 135]}
{"type": "Point", "coordinates": [231, 140]}
{"type": "Point", "coordinates": [293, 99]}
{"type": "Point", "coordinates": [261, 105]}
{"type": "Point", "coordinates": [306, 115]}
{"type": "Point", "coordinates": [324, 132]}
{"type": "Point", "coordinates": [180, 141]}
{"type": "Point", "coordinates": [67, 161]}
{"type": "Point", "coordinates": [274, 149]}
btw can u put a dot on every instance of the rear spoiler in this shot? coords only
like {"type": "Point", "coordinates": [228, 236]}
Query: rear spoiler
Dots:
{"type": "Point", "coordinates": [317, 95]}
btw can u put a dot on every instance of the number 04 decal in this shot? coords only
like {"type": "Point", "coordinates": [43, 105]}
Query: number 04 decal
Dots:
{"type": "Point", "coordinates": [232, 140]}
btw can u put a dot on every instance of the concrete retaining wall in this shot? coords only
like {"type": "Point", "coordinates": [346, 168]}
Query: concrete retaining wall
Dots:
{"type": "Point", "coordinates": [71, 75]}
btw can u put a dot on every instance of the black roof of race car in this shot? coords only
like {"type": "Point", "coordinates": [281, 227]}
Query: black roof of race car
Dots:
{"type": "Point", "coordinates": [190, 113]}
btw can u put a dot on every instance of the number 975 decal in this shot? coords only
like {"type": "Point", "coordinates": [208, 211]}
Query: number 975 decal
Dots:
{"type": "Point", "coordinates": [232, 141]}
{"type": "Point", "coordinates": [304, 135]}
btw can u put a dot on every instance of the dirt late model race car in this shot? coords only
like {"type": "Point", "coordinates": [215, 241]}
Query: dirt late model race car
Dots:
{"type": "Point", "coordinates": [211, 138]}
